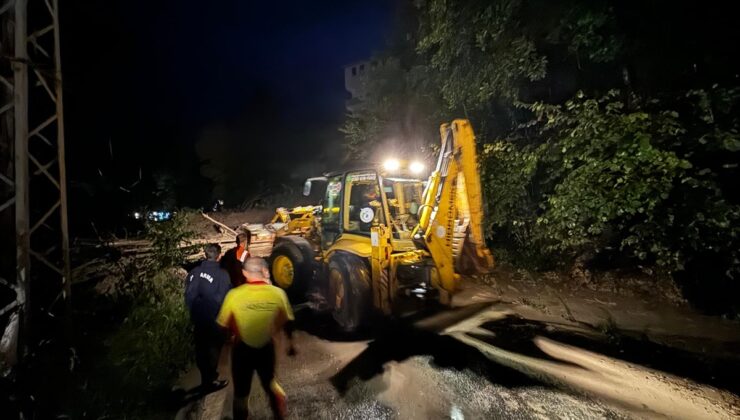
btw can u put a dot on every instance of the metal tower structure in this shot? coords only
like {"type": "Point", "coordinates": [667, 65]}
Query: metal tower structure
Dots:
{"type": "Point", "coordinates": [35, 279]}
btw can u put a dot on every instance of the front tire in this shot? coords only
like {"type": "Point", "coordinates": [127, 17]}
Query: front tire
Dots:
{"type": "Point", "coordinates": [289, 270]}
{"type": "Point", "coordinates": [349, 291]}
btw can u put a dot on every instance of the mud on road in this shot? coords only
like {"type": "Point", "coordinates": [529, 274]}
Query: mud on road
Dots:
{"type": "Point", "coordinates": [493, 359]}
{"type": "Point", "coordinates": [408, 373]}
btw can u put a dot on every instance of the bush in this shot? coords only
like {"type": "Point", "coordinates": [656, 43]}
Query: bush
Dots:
{"type": "Point", "coordinates": [611, 170]}
{"type": "Point", "coordinates": [152, 346]}
{"type": "Point", "coordinates": [171, 241]}
{"type": "Point", "coordinates": [154, 343]}
{"type": "Point", "coordinates": [650, 181]}
{"type": "Point", "coordinates": [509, 175]}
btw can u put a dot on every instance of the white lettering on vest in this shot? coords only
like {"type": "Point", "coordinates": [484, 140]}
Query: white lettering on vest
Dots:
{"type": "Point", "coordinates": [207, 277]}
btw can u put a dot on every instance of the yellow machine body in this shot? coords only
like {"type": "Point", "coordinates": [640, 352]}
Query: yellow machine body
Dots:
{"type": "Point", "coordinates": [411, 233]}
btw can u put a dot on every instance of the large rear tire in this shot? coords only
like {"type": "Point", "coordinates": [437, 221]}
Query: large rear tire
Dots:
{"type": "Point", "coordinates": [349, 291]}
{"type": "Point", "coordinates": [289, 270]}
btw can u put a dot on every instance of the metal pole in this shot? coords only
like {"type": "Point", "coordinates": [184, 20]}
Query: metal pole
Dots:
{"type": "Point", "coordinates": [67, 279]}
{"type": "Point", "coordinates": [22, 226]}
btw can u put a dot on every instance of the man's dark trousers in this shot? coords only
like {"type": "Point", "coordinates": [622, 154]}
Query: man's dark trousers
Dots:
{"type": "Point", "coordinates": [208, 344]}
{"type": "Point", "coordinates": [245, 360]}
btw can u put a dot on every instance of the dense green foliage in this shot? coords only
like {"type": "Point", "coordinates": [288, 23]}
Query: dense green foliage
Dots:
{"type": "Point", "coordinates": [152, 346]}
{"type": "Point", "coordinates": [407, 110]}
{"type": "Point", "coordinates": [171, 241]}
{"type": "Point", "coordinates": [598, 138]}
{"type": "Point", "coordinates": [633, 181]}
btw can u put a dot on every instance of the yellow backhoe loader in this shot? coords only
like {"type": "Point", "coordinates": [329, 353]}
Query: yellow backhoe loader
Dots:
{"type": "Point", "coordinates": [382, 235]}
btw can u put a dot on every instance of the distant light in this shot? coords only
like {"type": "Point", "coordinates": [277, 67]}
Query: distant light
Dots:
{"type": "Point", "coordinates": [137, 215]}
{"type": "Point", "coordinates": [158, 216]}
{"type": "Point", "coordinates": [391, 165]}
{"type": "Point", "coordinates": [416, 167]}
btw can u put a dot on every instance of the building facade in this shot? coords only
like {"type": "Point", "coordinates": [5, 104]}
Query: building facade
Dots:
{"type": "Point", "coordinates": [357, 75]}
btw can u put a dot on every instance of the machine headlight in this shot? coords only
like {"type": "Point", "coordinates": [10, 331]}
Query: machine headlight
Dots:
{"type": "Point", "coordinates": [391, 165]}
{"type": "Point", "coordinates": [416, 167]}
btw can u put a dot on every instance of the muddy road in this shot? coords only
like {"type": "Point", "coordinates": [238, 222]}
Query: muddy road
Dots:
{"type": "Point", "coordinates": [488, 360]}
{"type": "Point", "coordinates": [402, 373]}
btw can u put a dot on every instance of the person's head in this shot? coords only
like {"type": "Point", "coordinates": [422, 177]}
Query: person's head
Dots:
{"type": "Point", "coordinates": [213, 252]}
{"type": "Point", "coordinates": [255, 269]}
{"type": "Point", "coordinates": [414, 207]}
{"type": "Point", "coordinates": [370, 194]}
{"type": "Point", "coordinates": [243, 238]}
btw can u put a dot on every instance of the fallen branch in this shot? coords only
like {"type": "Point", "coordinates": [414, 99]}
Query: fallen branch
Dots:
{"type": "Point", "coordinates": [228, 229]}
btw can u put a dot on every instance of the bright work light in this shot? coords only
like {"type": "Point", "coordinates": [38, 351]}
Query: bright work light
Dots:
{"type": "Point", "coordinates": [391, 165]}
{"type": "Point", "coordinates": [416, 167]}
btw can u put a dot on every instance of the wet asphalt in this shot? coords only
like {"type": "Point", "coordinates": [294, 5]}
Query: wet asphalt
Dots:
{"type": "Point", "coordinates": [420, 367]}
{"type": "Point", "coordinates": [400, 371]}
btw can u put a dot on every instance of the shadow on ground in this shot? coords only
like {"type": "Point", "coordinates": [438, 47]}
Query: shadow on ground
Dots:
{"type": "Point", "coordinates": [400, 339]}
{"type": "Point", "coordinates": [516, 334]}
{"type": "Point", "coordinates": [179, 398]}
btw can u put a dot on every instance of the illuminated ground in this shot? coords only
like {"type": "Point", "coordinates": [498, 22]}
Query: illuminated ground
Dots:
{"type": "Point", "coordinates": [492, 358]}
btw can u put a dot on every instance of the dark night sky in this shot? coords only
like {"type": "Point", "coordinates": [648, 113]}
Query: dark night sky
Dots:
{"type": "Point", "coordinates": [150, 76]}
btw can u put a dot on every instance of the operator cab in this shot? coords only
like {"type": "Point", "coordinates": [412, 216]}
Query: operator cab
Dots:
{"type": "Point", "coordinates": [404, 197]}
{"type": "Point", "coordinates": [357, 200]}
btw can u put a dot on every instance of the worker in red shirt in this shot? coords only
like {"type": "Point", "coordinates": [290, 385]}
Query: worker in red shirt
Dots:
{"type": "Point", "coordinates": [234, 258]}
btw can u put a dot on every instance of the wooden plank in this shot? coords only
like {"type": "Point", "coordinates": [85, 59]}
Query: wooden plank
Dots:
{"type": "Point", "coordinates": [228, 229]}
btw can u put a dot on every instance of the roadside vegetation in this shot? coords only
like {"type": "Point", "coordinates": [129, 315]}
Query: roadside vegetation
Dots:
{"type": "Point", "coordinates": [602, 143]}
{"type": "Point", "coordinates": [134, 333]}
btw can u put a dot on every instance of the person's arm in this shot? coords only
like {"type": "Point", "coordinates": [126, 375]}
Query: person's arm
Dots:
{"type": "Point", "coordinates": [225, 315]}
{"type": "Point", "coordinates": [286, 322]}
{"type": "Point", "coordinates": [225, 284]}
{"type": "Point", "coordinates": [192, 289]}
{"type": "Point", "coordinates": [289, 327]}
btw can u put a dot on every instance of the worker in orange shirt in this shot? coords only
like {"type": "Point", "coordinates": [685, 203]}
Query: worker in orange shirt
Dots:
{"type": "Point", "coordinates": [256, 312]}
{"type": "Point", "coordinates": [234, 258]}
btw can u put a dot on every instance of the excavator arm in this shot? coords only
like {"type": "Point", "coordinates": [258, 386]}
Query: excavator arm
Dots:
{"type": "Point", "coordinates": [451, 214]}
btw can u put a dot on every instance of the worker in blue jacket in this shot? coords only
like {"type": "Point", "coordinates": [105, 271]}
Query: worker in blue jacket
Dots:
{"type": "Point", "coordinates": [206, 287]}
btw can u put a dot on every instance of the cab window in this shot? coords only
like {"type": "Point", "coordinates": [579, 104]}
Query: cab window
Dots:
{"type": "Point", "coordinates": [404, 200]}
{"type": "Point", "coordinates": [363, 200]}
{"type": "Point", "coordinates": [332, 204]}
